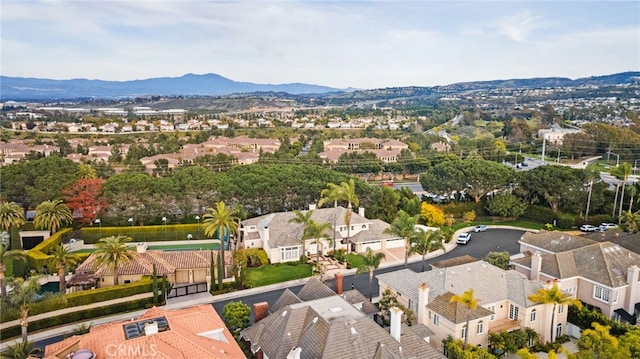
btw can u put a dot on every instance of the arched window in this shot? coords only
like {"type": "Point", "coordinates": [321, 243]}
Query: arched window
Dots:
{"type": "Point", "coordinates": [558, 330]}
{"type": "Point", "coordinates": [464, 332]}
{"type": "Point", "coordinates": [533, 315]}
{"type": "Point", "coordinates": [480, 327]}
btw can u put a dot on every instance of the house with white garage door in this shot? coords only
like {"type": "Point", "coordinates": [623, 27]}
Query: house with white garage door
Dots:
{"type": "Point", "coordinates": [282, 239]}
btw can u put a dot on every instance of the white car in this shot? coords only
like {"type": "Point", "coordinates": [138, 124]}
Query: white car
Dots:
{"type": "Point", "coordinates": [608, 225]}
{"type": "Point", "coordinates": [588, 228]}
{"type": "Point", "coordinates": [464, 238]}
{"type": "Point", "coordinates": [480, 228]}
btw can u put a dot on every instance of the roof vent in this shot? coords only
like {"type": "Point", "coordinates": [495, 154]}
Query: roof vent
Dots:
{"type": "Point", "coordinates": [335, 309]}
{"type": "Point", "coordinates": [284, 313]}
{"type": "Point", "coordinates": [353, 331]}
{"type": "Point", "coordinates": [314, 320]}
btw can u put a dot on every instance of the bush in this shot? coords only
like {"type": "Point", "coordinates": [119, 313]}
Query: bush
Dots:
{"type": "Point", "coordinates": [469, 216]}
{"type": "Point", "coordinates": [458, 209]}
{"type": "Point", "coordinates": [254, 257]}
{"type": "Point", "coordinates": [539, 214]}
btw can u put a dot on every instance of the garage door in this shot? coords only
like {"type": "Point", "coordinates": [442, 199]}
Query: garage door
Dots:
{"type": "Point", "coordinates": [396, 243]}
{"type": "Point", "coordinates": [375, 246]}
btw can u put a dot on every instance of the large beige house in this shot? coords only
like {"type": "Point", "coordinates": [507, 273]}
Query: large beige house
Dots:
{"type": "Point", "coordinates": [282, 239]}
{"type": "Point", "coordinates": [602, 274]}
{"type": "Point", "coordinates": [502, 295]}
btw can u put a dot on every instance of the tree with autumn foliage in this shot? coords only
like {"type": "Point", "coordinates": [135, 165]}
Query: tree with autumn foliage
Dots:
{"type": "Point", "coordinates": [85, 199]}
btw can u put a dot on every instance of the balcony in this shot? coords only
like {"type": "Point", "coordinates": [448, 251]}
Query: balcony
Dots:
{"type": "Point", "coordinates": [503, 325]}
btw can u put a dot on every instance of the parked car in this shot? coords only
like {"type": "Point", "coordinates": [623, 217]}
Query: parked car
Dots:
{"type": "Point", "coordinates": [464, 238]}
{"type": "Point", "coordinates": [480, 228]}
{"type": "Point", "coordinates": [608, 225]}
{"type": "Point", "coordinates": [588, 228]}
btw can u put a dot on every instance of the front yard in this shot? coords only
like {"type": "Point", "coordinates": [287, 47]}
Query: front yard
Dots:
{"type": "Point", "coordinates": [276, 273]}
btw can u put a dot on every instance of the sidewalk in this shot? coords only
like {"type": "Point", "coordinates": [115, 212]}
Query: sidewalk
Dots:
{"type": "Point", "coordinates": [206, 298]}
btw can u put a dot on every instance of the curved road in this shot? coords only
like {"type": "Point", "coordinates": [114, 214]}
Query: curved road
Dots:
{"type": "Point", "coordinates": [493, 240]}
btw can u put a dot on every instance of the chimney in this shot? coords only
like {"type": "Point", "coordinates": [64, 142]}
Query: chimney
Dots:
{"type": "Point", "coordinates": [150, 328]}
{"type": "Point", "coordinates": [633, 278]}
{"type": "Point", "coordinates": [361, 212]}
{"type": "Point", "coordinates": [339, 277]}
{"type": "Point", "coordinates": [536, 266]}
{"type": "Point", "coordinates": [396, 323]}
{"type": "Point", "coordinates": [260, 311]}
{"type": "Point", "coordinates": [141, 247]}
{"type": "Point", "coordinates": [265, 235]}
{"type": "Point", "coordinates": [423, 299]}
{"type": "Point", "coordinates": [294, 353]}
{"type": "Point", "coordinates": [312, 206]}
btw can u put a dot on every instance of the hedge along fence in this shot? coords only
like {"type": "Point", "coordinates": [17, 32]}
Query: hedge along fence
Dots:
{"type": "Point", "coordinates": [95, 312]}
{"type": "Point", "coordinates": [83, 298]}
{"type": "Point", "coordinates": [159, 233]}
{"type": "Point", "coordinates": [38, 256]}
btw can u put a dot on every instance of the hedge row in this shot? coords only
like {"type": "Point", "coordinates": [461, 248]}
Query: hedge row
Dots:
{"type": "Point", "coordinates": [458, 209]}
{"type": "Point", "coordinates": [38, 256]}
{"type": "Point", "coordinates": [73, 317]}
{"type": "Point", "coordinates": [82, 298]}
{"type": "Point", "coordinates": [172, 232]}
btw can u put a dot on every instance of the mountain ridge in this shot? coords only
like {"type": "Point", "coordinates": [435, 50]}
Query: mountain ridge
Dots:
{"type": "Point", "coordinates": [211, 84]}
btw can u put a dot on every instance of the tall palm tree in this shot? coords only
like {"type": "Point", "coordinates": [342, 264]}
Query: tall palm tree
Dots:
{"type": "Point", "coordinates": [61, 258]}
{"type": "Point", "coordinates": [404, 226]}
{"type": "Point", "coordinates": [6, 256]}
{"type": "Point", "coordinates": [111, 252]}
{"type": "Point", "coordinates": [634, 190]}
{"type": "Point", "coordinates": [631, 221]}
{"type": "Point", "coordinates": [471, 303]}
{"type": "Point", "coordinates": [11, 214]}
{"type": "Point", "coordinates": [552, 295]}
{"type": "Point", "coordinates": [23, 294]}
{"type": "Point", "coordinates": [370, 262]}
{"type": "Point", "coordinates": [223, 221]}
{"type": "Point", "coordinates": [427, 241]}
{"type": "Point", "coordinates": [21, 350]}
{"type": "Point", "coordinates": [317, 231]}
{"type": "Point", "coordinates": [346, 191]}
{"type": "Point", "coordinates": [51, 215]}
{"type": "Point", "coordinates": [302, 218]}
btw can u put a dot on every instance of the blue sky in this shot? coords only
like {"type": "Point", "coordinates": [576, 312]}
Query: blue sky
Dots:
{"type": "Point", "coordinates": [363, 44]}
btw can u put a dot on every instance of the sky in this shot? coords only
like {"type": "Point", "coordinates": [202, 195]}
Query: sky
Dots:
{"type": "Point", "coordinates": [357, 43]}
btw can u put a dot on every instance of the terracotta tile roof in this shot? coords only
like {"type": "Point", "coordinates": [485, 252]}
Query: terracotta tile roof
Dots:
{"type": "Point", "coordinates": [188, 336]}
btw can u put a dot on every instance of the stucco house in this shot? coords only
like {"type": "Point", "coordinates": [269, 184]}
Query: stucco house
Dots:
{"type": "Point", "coordinates": [502, 295]}
{"type": "Point", "coordinates": [602, 274]}
{"type": "Point", "coordinates": [281, 239]}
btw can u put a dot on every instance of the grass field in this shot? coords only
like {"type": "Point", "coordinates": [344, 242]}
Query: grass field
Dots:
{"type": "Point", "coordinates": [177, 247]}
{"type": "Point", "coordinates": [276, 273]}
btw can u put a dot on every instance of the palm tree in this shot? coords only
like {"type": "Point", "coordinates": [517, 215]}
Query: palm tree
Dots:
{"type": "Point", "coordinates": [425, 242]}
{"type": "Point", "coordinates": [5, 257]}
{"type": "Point", "coordinates": [471, 303]}
{"type": "Point", "coordinates": [317, 231]}
{"type": "Point", "coordinates": [61, 258]}
{"type": "Point", "coordinates": [302, 218]}
{"type": "Point", "coordinates": [85, 171]}
{"type": "Point", "coordinates": [23, 294]}
{"type": "Point", "coordinates": [11, 214]}
{"type": "Point", "coordinates": [224, 222]}
{"type": "Point", "coordinates": [111, 252]}
{"type": "Point", "coordinates": [346, 191]}
{"type": "Point", "coordinates": [631, 221]}
{"type": "Point", "coordinates": [634, 190]}
{"type": "Point", "coordinates": [21, 350]}
{"type": "Point", "coordinates": [404, 226]}
{"type": "Point", "coordinates": [370, 262]}
{"type": "Point", "coordinates": [51, 215]}
{"type": "Point", "coordinates": [553, 295]}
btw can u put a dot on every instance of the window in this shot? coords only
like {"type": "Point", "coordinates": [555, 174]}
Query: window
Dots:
{"type": "Point", "coordinates": [560, 309]}
{"type": "Point", "coordinates": [413, 306]}
{"type": "Point", "coordinates": [436, 319]}
{"type": "Point", "coordinates": [289, 253]}
{"type": "Point", "coordinates": [492, 308]}
{"type": "Point", "coordinates": [364, 226]}
{"type": "Point", "coordinates": [463, 334]}
{"type": "Point", "coordinates": [601, 293]}
{"type": "Point", "coordinates": [353, 228]}
{"type": "Point", "coordinates": [479, 327]}
{"type": "Point", "coordinates": [558, 330]}
{"type": "Point", "coordinates": [513, 312]}
{"type": "Point", "coordinates": [533, 316]}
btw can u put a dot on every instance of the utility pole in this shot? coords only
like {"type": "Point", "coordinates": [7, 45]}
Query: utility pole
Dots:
{"type": "Point", "coordinates": [544, 145]}
{"type": "Point", "coordinates": [586, 215]}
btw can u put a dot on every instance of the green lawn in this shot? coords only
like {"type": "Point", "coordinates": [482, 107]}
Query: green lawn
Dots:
{"type": "Point", "coordinates": [192, 246]}
{"type": "Point", "coordinates": [355, 260]}
{"type": "Point", "coordinates": [276, 273]}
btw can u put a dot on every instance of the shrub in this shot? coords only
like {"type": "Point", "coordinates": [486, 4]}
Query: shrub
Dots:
{"type": "Point", "coordinates": [469, 216]}
{"type": "Point", "coordinates": [457, 209]}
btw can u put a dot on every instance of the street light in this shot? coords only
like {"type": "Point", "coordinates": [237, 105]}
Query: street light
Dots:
{"type": "Point", "coordinates": [617, 158]}
{"type": "Point", "coordinates": [164, 219]}
{"type": "Point", "coordinates": [130, 220]}
{"type": "Point", "coordinates": [189, 236]}
{"type": "Point", "coordinates": [98, 221]}
{"type": "Point", "coordinates": [198, 231]}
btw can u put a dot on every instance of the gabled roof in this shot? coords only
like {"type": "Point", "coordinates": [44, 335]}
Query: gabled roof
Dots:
{"type": "Point", "coordinates": [189, 335]}
{"type": "Point", "coordinates": [286, 298]}
{"type": "Point", "coordinates": [314, 289]}
{"type": "Point", "coordinates": [455, 312]}
{"type": "Point", "coordinates": [552, 241]}
{"type": "Point", "coordinates": [490, 283]}
{"type": "Point", "coordinates": [601, 262]}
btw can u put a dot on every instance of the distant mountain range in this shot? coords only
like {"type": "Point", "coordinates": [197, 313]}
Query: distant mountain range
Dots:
{"type": "Point", "coordinates": [21, 88]}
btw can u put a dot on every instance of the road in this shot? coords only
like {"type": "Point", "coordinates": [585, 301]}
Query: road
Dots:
{"type": "Point", "coordinates": [493, 240]}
